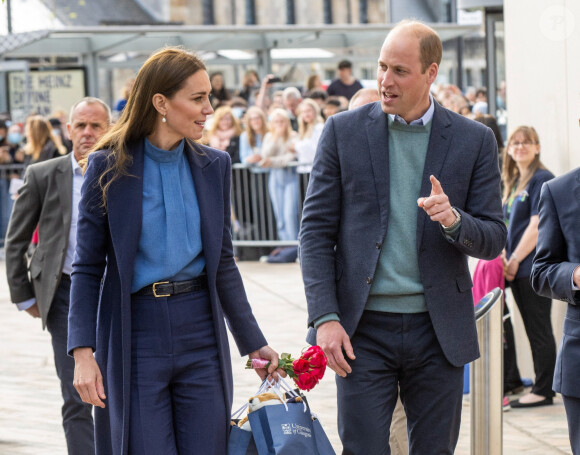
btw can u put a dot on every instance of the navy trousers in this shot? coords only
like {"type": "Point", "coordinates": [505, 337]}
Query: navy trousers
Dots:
{"type": "Point", "coordinates": [77, 418]}
{"type": "Point", "coordinates": [177, 397]}
{"type": "Point", "coordinates": [572, 405]}
{"type": "Point", "coordinates": [394, 349]}
{"type": "Point", "coordinates": [511, 374]}
{"type": "Point", "coordinates": [536, 314]}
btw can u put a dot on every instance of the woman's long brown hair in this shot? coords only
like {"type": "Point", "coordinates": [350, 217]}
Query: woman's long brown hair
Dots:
{"type": "Point", "coordinates": [164, 72]}
{"type": "Point", "coordinates": [39, 132]}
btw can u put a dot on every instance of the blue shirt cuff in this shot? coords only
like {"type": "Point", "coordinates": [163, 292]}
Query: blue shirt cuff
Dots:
{"type": "Point", "coordinates": [23, 306]}
{"type": "Point", "coordinates": [326, 318]}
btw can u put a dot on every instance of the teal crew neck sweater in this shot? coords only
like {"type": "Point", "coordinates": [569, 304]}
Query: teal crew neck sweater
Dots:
{"type": "Point", "coordinates": [397, 286]}
{"type": "Point", "coordinates": [170, 247]}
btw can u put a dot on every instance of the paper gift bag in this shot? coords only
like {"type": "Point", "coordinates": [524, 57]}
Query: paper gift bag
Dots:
{"type": "Point", "coordinates": [241, 442]}
{"type": "Point", "coordinates": [283, 430]}
{"type": "Point", "coordinates": [322, 443]}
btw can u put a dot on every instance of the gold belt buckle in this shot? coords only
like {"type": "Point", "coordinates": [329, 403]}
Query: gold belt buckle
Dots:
{"type": "Point", "coordinates": [155, 289]}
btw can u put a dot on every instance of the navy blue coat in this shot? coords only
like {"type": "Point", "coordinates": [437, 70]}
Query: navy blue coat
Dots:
{"type": "Point", "coordinates": [346, 215]}
{"type": "Point", "coordinates": [100, 308]}
{"type": "Point", "coordinates": [557, 255]}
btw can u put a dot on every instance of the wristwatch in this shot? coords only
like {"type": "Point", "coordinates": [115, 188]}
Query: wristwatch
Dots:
{"type": "Point", "coordinates": [456, 222]}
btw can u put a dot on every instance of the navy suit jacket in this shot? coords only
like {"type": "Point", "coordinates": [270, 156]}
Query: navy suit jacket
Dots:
{"type": "Point", "coordinates": [346, 216]}
{"type": "Point", "coordinates": [100, 309]}
{"type": "Point", "coordinates": [557, 255]}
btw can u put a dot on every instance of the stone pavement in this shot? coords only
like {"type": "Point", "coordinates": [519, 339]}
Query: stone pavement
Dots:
{"type": "Point", "coordinates": [30, 396]}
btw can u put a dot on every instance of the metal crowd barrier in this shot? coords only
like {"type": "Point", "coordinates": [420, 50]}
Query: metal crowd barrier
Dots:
{"type": "Point", "coordinates": [7, 173]}
{"type": "Point", "coordinates": [253, 218]}
{"type": "Point", "coordinates": [486, 383]}
{"type": "Point", "coordinates": [254, 224]}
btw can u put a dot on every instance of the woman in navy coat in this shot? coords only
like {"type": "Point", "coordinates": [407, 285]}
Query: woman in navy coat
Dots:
{"type": "Point", "coordinates": [154, 275]}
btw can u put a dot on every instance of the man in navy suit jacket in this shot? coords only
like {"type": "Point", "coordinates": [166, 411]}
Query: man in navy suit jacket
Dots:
{"type": "Point", "coordinates": [401, 192]}
{"type": "Point", "coordinates": [556, 274]}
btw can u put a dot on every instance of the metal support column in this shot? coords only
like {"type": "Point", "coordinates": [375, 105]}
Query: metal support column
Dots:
{"type": "Point", "coordinates": [458, 46]}
{"type": "Point", "coordinates": [264, 60]}
{"type": "Point", "coordinates": [487, 378]}
{"type": "Point", "coordinates": [9, 16]}
{"type": "Point", "coordinates": [92, 63]}
{"type": "Point", "coordinates": [491, 17]}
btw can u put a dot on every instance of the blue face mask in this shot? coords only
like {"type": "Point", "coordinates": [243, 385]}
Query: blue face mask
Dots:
{"type": "Point", "coordinates": [15, 138]}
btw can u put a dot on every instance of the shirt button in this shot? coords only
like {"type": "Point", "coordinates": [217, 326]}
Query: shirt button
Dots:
{"type": "Point", "coordinates": [378, 245]}
{"type": "Point", "coordinates": [369, 280]}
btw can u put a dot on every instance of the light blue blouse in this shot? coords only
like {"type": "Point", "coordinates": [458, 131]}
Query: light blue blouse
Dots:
{"type": "Point", "coordinates": [170, 247]}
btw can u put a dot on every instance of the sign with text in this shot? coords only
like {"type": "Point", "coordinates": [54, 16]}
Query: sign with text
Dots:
{"type": "Point", "coordinates": [47, 91]}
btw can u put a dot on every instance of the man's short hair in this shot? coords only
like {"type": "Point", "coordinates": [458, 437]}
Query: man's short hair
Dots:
{"type": "Point", "coordinates": [333, 101]}
{"type": "Point", "coordinates": [367, 94]}
{"type": "Point", "coordinates": [91, 100]}
{"type": "Point", "coordinates": [343, 64]}
{"type": "Point", "coordinates": [291, 92]}
{"type": "Point", "coordinates": [430, 46]}
{"type": "Point", "coordinates": [481, 91]}
{"type": "Point", "coordinates": [317, 95]}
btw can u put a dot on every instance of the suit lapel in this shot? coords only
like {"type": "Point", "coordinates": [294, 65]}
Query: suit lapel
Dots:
{"type": "Point", "coordinates": [125, 209]}
{"type": "Point", "coordinates": [208, 181]}
{"type": "Point", "coordinates": [439, 141]}
{"type": "Point", "coordinates": [377, 136]}
{"type": "Point", "coordinates": [64, 183]}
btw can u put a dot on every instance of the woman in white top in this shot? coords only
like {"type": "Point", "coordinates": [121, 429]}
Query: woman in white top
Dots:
{"type": "Point", "coordinates": [310, 124]}
{"type": "Point", "coordinates": [277, 153]}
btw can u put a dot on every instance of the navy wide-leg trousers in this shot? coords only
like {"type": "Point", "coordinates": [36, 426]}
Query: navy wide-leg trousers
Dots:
{"type": "Point", "coordinates": [177, 397]}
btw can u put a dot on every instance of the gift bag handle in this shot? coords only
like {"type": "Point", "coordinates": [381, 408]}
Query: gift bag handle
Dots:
{"type": "Point", "coordinates": [282, 385]}
{"type": "Point", "coordinates": [263, 387]}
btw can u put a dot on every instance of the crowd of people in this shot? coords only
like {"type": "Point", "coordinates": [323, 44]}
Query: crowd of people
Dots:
{"type": "Point", "coordinates": [393, 313]}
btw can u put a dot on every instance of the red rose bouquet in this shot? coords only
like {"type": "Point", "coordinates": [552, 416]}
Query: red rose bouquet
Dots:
{"type": "Point", "coordinates": [306, 370]}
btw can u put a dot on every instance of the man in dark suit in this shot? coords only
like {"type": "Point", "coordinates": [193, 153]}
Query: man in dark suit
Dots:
{"type": "Point", "coordinates": [385, 270]}
{"type": "Point", "coordinates": [556, 274]}
{"type": "Point", "coordinates": [49, 199]}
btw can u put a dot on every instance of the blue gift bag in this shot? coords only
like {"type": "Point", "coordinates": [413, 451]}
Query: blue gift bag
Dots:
{"type": "Point", "coordinates": [278, 431]}
{"type": "Point", "coordinates": [281, 429]}
{"type": "Point", "coordinates": [322, 443]}
{"type": "Point", "coordinates": [241, 442]}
